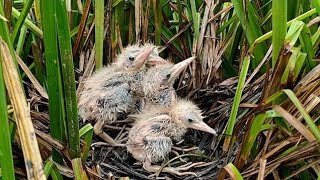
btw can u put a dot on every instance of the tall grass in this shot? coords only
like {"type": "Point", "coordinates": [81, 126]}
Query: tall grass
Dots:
{"type": "Point", "coordinates": [54, 80]}
{"type": "Point", "coordinates": [6, 159]}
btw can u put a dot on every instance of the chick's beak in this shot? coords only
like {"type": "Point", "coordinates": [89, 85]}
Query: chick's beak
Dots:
{"type": "Point", "coordinates": [142, 57]}
{"type": "Point", "coordinates": [178, 68]}
{"type": "Point", "coordinates": [153, 61]}
{"type": "Point", "coordinates": [202, 126]}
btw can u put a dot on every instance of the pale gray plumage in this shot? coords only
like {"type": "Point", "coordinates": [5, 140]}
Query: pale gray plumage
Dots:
{"type": "Point", "coordinates": [110, 92]}
{"type": "Point", "coordinates": [150, 139]}
{"type": "Point", "coordinates": [158, 82]}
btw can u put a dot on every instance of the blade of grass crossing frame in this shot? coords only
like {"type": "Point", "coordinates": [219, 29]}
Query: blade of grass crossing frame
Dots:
{"type": "Point", "coordinates": [99, 28]}
{"type": "Point", "coordinates": [51, 169]}
{"type": "Point", "coordinates": [79, 173]}
{"type": "Point", "coordinates": [55, 93]}
{"type": "Point", "coordinates": [87, 133]}
{"type": "Point", "coordinates": [21, 19]}
{"type": "Point", "coordinates": [196, 24]}
{"type": "Point", "coordinates": [48, 167]}
{"type": "Point", "coordinates": [313, 127]}
{"type": "Point", "coordinates": [289, 93]}
{"type": "Point", "coordinates": [233, 172]}
{"type": "Point", "coordinates": [28, 23]}
{"type": "Point", "coordinates": [236, 102]}
{"type": "Point", "coordinates": [29, 144]}
{"type": "Point", "coordinates": [269, 34]}
{"type": "Point", "coordinates": [16, 93]}
{"type": "Point", "coordinates": [255, 129]}
{"type": "Point", "coordinates": [157, 20]}
{"type": "Point", "coordinates": [279, 21]}
{"type": "Point", "coordinates": [316, 4]}
{"type": "Point", "coordinates": [293, 8]}
{"type": "Point", "coordinates": [251, 28]}
{"type": "Point", "coordinates": [4, 34]}
{"type": "Point", "coordinates": [71, 108]}
{"type": "Point", "coordinates": [305, 40]}
{"type": "Point", "coordinates": [21, 40]}
{"type": "Point", "coordinates": [6, 159]}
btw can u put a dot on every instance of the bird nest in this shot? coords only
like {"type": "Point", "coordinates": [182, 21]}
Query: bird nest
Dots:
{"type": "Point", "coordinates": [198, 149]}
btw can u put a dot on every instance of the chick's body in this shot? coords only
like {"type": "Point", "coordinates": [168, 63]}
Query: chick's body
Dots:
{"type": "Point", "coordinates": [150, 139]}
{"type": "Point", "coordinates": [158, 82]}
{"type": "Point", "coordinates": [108, 96]}
{"type": "Point", "coordinates": [112, 91]}
{"type": "Point", "coordinates": [157, 89]}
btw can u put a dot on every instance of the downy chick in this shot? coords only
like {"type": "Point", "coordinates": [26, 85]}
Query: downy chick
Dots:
{"type": "Point", "coordinates": [150, 139]}
{"type": "Point", "coordinates": [109, 93]}
{"type": "Point", "coordinates": [158, 82]}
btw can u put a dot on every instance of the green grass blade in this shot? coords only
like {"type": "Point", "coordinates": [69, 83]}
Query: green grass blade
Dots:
{"type": "Point", "coordinates": [21, 40]}
{"type": "Point", "coordinates": [21, 19]}
{"type": "Point", "coordinates": [313, 127]}
{"type": "Point", "coordinates": [316, 4]}
{"type": "Point", "coordinates": [316, 38]}
{"type": "Point", "coordinates": [87, 133]}
{"type": "Point", "coordinates": [55, 174]}
{"type": "Point", "coordinates": [269, 34]}
{"type": "Point", "coordinates": [157, 20]}
{"type": "Point", "coordinates": [68, 79]}
{"type": "Point", "coordinates": [233, 172]}
{"type": "Point", "coordinates": [237, 99]}
{"type": "Point", "coordinates": [248, 20]}
{"type": "Point", "coordinates": [305, 40]}
{"type": "Point", "coordinates": [294, 32]}
{"type": "Point", "coordinates": [39, 64]}
{"type": "Point", "coordinates": [279, 21]}
{"type": "Point", "coordinates": [6, 159]}
{"type": "Point", "coordinates": [293, 8]}
{"type": "Point", "coordinates": [255, 129]}
{"type": "Point", "coordinates": [79, 173]}
{"type": "Point", "coordinates": [99, 28]}
{"type": "Point", "coordinates": [28, 23]}
{"type": "Point", "coordinates": [196, 23]}
{"type": "Point", "coordinates": [48, 167]}
{"type": "Point", "coordinates": [51, 169]}
{"type": "Point", "coordinates": [295, 123]}
{"type": "Point", "coordinates": [55, 93]}
{"type": "Point", "coordinates": [294, 66]}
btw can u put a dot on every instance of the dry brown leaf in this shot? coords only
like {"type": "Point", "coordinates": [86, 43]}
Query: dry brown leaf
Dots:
{"type": "Point", "coordinates": [295, 123]}
{"type": "Point", "coordinates": [30, 148]}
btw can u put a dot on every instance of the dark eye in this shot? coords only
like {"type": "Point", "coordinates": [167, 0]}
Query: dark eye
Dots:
{"type": "Point", "coordinates": [131, 58]}
{"type": "Point", "coordinates": [168, 76]}
{"type": "Point", "coordinates": [190, 120]}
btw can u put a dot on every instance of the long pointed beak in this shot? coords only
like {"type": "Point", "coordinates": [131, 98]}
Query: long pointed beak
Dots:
{"type": "Point", "coordinates": [152, 61]}
{"type": "Point", "coordinates": [202, 126]}
{"type": "Point", "coordinates": [178, 68]}
{"type": "Point", "coordinates": [142, 57]}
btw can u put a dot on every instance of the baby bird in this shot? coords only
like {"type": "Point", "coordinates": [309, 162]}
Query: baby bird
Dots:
{"type": "Point", "coordinates": [109, 93]}
{"type": "Point", "coordinates": [158, 82]}
{"type": "Point", "coordinates": [150, 139]}
{"type": "Point", "coordinates": [126, 58]}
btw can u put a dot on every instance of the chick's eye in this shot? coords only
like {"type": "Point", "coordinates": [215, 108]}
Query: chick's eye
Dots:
{"type": "Point", "coordinates": [168, 76]}
{"type": "Point", "coordinates": [190, 120]}
{"type": "Point", "coordinates": [131, 58]}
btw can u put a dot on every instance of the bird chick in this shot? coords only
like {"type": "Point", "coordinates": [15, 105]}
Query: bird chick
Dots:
{"type": "Point", "coordinates": [108, 94]}
{"type": "Point", "coordinates": [126, 59]}
{"type": "Point", "coordinates": [150, 139]}
{"type": "Point", "coordinates": [158, 82]}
